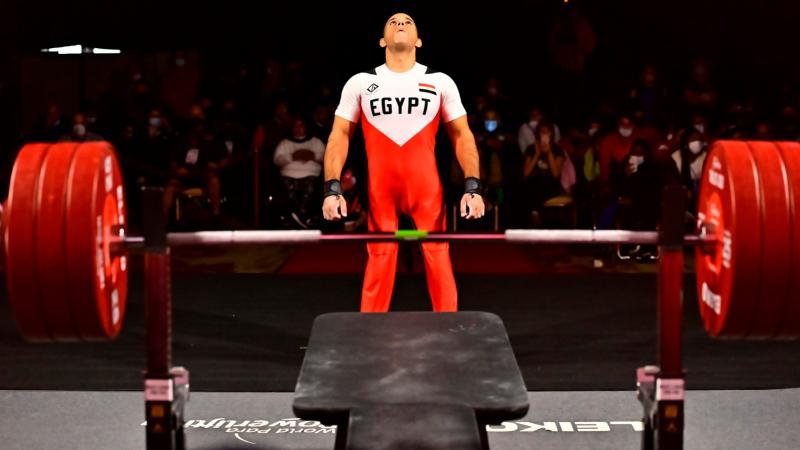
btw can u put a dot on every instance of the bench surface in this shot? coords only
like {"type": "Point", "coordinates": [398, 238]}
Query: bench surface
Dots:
{"type": "Point", "coordinates": [358, 360]}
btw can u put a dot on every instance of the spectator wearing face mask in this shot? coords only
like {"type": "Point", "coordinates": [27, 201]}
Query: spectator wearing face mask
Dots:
{"type": "Point", "coordinates": [542, 168]}
{"type": "Point", "coordinates": [149, 159]}
{"type": "Point", "coordinates": [640, 180]}
{"type": "Point", "coordinates": [195, 162]}
{"type": "Point", "coordinates": [689, 160]}
{"type": "Point", "coordinates": [527, 131]}
{"type": "Point", "coordinates": [80, 131]}
{"type": "Point", "coordinates": [499, 162]}
{"type": "Point", "coordinates": [614, 147]}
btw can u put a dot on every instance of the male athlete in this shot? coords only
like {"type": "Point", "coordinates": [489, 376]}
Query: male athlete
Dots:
{"type": "Point", "coordinates": [400, 105]}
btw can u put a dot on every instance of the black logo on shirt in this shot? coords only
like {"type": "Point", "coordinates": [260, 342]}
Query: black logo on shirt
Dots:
{"type": "Point", "coordinates": [372, 88]}
{"type": "Point", "coordinates": [398, 105]}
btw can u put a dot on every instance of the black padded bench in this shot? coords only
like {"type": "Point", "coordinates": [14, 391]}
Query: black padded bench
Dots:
{"type": "Point", "coordinates": [410, 380]}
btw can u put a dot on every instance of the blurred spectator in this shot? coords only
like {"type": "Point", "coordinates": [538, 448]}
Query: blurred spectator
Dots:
{"type": "Point", "coordinates": [272, 82]}
{"type": "Point", "coordinates": [571, 41]}
{"type": "Point", "coordinates": [496, 98]}
{"type": "Point", "coordinates": [614, 147]}
{"type": "Point", "coordinates": [322, 122]}
{"type": "Point", "coordinates": [150, 158]}
{"type": "Point", "coordinates": [527, 131]}
{"type": "Point", "coordinates": [700, 94]}
{"type": "Point", "coordinates": [277, 127]}
{"type": "Point", "coordinates": [179, 85]}
{"type": "Point", "coordinates": [689, 160]}
{"type": "Point", "coordinates": [300, 161]}
{"type": "Point", "coordinates": [195, 162]}
{"type": "Point", "coordinates": [51, 126]}
{"type": "Point", "coordinates": [139, 101]}
{"type": "Point", "coordinates": [356, 215]}
{"type": "Point", "coordinates": [700, 123]}
{"type": "Point", "coordinates": [80, 131]}
{"type": "Point", "coordinates": [763, 131]}
{"type": "Point", "coordinates": [542, 168]}
{"type": "Point", "coordinates": [650, 97]}
{"type": "Point", "coordinates": [640, 180]}
{"type": "Point", "coordinates": [500, 162]}
{"type": "Point", "coordinates": [235, 173]}
{"type": "Point", "coordinates": [788, 126]}
{"type": "Point", "coordinates": [646, 130]}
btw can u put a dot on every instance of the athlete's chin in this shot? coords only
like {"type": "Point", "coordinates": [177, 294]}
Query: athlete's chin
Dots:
{"type": "Point", "coordinates": [401, 46]}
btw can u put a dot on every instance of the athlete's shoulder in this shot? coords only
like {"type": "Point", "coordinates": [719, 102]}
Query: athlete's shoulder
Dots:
{"type": "Point", "coordinates": [436, 74]}
{"type": "Point", "coordinates": [366, 73]}
{"type": "Point", "coordinates": [442, 79]}
{"type": "Point", "coordinates": [360, 77]}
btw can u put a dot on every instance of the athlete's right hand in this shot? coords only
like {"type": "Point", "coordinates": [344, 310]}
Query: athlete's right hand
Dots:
{"type": "Point", "coordinates": [334, 207]}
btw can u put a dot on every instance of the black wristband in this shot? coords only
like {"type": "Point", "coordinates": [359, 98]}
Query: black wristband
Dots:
{"type": "Point", "coordinates": [472, 185]}
{"type": "Point", "coordinates": [333, 187]}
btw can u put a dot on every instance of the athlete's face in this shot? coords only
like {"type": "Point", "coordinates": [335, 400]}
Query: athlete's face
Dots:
{"type": "Point", "coordinates": [400, 32]}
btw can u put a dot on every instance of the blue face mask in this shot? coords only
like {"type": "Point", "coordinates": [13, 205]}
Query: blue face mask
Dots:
{"type": "Point", "coordinates": [490, 125]}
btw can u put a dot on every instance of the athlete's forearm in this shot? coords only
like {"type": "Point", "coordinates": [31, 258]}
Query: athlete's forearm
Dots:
{"type": "Point", "coordinates": [335, 155]}
{"type": "Point", "coordinates": [467, 154]}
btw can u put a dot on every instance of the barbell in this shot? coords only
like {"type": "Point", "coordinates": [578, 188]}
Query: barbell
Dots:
{"type": "Point", "coordinates": [66, 249]}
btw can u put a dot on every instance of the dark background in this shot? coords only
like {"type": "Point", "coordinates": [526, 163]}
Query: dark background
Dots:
{"type": "Point", "coordinates": [750, 47]}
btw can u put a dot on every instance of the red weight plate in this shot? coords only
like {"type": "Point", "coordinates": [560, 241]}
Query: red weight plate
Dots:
{"type": "Point", "coordinates": [50, 237]}
{"type": "Point", "coordinates": [20, 243]}
{"type": "Point", "coordinates": [790, 316]}
{"type": "Point", "coordinates": [96, 280]}
{"type": "Point", "coordinates": [728, 280]}
{"type": "Point", "coordinates": [776, 231]}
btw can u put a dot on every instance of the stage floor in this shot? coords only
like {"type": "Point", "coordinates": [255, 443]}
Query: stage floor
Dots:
{"type": "Point", "coordinates": [724, 420]}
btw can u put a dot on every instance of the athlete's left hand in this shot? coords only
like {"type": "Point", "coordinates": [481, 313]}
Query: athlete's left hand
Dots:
{"type": "Point", "coordinates": [472, 206]}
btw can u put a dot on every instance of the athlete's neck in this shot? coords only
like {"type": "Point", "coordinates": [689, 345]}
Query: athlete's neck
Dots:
{"type": "Point", "coordinates": [401, 61]}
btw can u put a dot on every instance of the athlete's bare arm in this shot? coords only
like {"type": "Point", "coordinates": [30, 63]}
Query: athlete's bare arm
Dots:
{"type": "Point", "coordinates": [334, 207]}
{"type": "Point", "coordinates": [464, 144]}
{"type": "Point", "coordinates": [472, 206]}
{"type": "Point", "coordinates": [338, 144]}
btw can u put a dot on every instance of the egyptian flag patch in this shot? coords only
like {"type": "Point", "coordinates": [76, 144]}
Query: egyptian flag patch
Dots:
{"type": "Point", "coordinates": [427, 88]}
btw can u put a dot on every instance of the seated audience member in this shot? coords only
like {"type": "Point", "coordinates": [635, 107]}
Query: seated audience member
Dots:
{"type": "Point", "coordinates": [235, 169]}
{"type": "Point", "coordinates": [80, 131]}
{"type": "Point", "coordinates": [639, 181]}
{"type": "Point", "coordinates": [299, 159]}
{"type": "Point", "coordinates": [615, 146]}
{"type": "Point", "coordinates": [195, 162]}
{"type": "Point", "coordinates": [541, 171]}
{"type": "Point", "coordinates": [527, 131]}
{"type": "Point", "coordinates": [500, 163]}
{"type": "Point", "coordinates": [689, 160]}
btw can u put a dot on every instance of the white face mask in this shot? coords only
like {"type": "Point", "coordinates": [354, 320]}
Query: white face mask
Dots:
{"type": "Point", "coordinates": [695, 147]}
{"type": "Point", "coordinates": [533, 123]}
{"type": "Point", "coordinates": [636, 160]}
{"type": "Point", "coordinates": [625, 132]}
{"type": "Point", "coordinates": [700, 128]}
{"type": "Point", "coordinates": [79, 130]}
{"type": "Point", "coordinates": [593, 131]}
